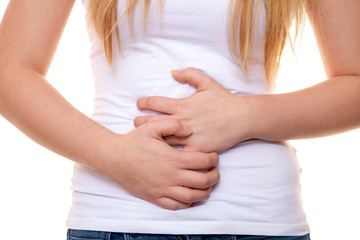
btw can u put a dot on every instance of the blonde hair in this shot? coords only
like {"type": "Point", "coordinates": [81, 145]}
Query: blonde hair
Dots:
{"type": "Point", "coordinates": [242, 13]}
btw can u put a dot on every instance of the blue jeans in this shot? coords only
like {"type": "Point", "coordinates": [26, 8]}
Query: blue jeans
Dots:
{"type": "Point", "coordinates": [98, 235]}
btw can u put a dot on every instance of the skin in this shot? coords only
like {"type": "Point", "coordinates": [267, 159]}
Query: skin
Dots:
{"type": "Point", "coordinates": [324, 109]}
{"type": "Point", "coordinates": [140, 161]}
{"type": "Point", "coordinates": [44, 115]}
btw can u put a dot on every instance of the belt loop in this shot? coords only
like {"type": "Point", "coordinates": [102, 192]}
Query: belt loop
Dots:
{"type": "Point", "coordinates": [108, 236]}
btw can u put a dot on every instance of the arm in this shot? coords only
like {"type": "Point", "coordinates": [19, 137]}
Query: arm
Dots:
{"type": "Point", "coordinates": [327, 108]}
{"type": "Point", "coordinates": [29, 35]}
{"type": "Point", "coordinates": [333, 105]}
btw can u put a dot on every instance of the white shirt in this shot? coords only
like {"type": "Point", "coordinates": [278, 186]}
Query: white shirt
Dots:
{"type": "Point", "coordinates": [259, 189]}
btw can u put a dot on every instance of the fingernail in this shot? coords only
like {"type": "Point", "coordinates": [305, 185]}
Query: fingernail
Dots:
{"type": "Point", "coordinates": [188, 130]}
{"type": "Point", "coordinates": [175, 72]}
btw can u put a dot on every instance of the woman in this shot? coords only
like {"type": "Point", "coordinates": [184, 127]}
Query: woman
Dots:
{"type": "Point", "coordinates": [258, 191]}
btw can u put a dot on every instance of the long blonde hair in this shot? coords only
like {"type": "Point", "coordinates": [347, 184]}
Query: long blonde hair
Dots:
{"type": "Point", "coordinates": [279, 16]}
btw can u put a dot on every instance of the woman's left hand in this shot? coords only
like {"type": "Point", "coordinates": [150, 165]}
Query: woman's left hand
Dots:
{"type": "Point", "coordinates": [218, 118]}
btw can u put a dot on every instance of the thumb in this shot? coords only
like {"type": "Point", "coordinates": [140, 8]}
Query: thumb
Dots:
{"type": "Point", "coordinates": [169, 127]}
{"type": "Point", "coordinates": [195, 78]}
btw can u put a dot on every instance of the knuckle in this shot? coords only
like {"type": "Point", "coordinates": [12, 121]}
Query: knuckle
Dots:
{"type": "Point", "coordinates": [204, 181]}
{"type": "Point", "coordinates": [171, 122]}
{"type": "Point", "coordinates": [180, 105]}
{"type": "Point", "coordinates": [215, 157]}
{"type": "Point", "coordinates": [183, 158]}
{"type": "Point", "coordinates": [167, 203]}
{"type": "Point", "coordinates": [174, 206]}
{"type": "Point", "coordinates": [175, 122]}
{"type": "Point", "coordinates": [176, 177]}
{"type": "Point", "coordinates": [207, 193]}
{"type": "Point", "coordinates": [177, 160]}
{"type": "Point", "coordinates": [187, 71]}
{"type": "Point", "coordinates": [171, 206]}
{"type": "Point", "coordinates": [208, 163]}
{"type": "Point", "coordinates": [181, 161]}
{"type": "Point", "coordinates": [152, 125]}
{"type": "Point", "coordinates": [217, 174]}
{"type": "Point", "coordinates": [188, 197]}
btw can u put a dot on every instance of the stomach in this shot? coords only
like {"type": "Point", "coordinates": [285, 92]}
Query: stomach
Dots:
{"type": "Point", "coordinates": [257, 177]}
{"type": "Point", "coordinates": [259, 187]}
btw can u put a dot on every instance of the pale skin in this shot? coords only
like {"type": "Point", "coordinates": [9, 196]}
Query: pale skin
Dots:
{"type": "Point", "coordinates": [44, 115]}
{"type": "Point", "coordinates": [330, 107]}
{"type": "Point", "coordinates": [140, 161]}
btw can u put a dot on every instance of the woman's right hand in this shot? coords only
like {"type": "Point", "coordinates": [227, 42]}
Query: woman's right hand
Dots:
{"type": "Point", "coordinates": [146, 166]}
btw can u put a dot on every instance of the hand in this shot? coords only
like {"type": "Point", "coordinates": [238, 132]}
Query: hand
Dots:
{"type": "Point", "coordinates": [218, 118]}
{"type": "Point", "coordinates": [156, 172]}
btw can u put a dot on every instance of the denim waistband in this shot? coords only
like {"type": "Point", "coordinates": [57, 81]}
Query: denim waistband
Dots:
{"type": "Point", "coordinates": [74, 234]}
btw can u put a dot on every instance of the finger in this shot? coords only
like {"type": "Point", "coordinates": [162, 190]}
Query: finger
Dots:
{"type": "Point", "coordinates": [187, 148]}
{"type": "Point", "coordinates": [169, 127]}
{"type": "Point", "coordinates": [175, 141]}
{"type": "Point", "coordinates": [195, 78]}
{"type": "Point", "coordinates": [141, 120]}
{"type": "Point", "coordinates": [157, 104]}
{"type": "Point", "coordinates": [199, 180]}
{"type": "Point", "coordinates": [198, 161]}
{"type": "Point", "coordinates": [171, 204]}
{"type": "Point", "coordinates": [188, 195]}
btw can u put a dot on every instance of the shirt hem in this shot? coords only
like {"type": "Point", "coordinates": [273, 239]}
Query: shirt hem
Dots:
{"type": "Point", "coordinates": [189, 227]}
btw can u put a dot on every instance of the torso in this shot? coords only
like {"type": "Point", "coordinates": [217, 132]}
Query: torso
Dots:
{"type": "Point", "coordinates": [259, 190]}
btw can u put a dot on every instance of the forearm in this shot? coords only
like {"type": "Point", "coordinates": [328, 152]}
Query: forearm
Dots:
{"type": "Point", "coordinates": [330, 107]}
{"type": "Point", "coordinates": [29, 102]}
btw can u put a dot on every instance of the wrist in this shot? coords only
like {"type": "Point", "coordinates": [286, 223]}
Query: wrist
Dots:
{"type": "Point", "coordinates": [255, 121]}
{"type": "Point", "coordinates": [245, 117]}
{"type": "Point", "coordinates": [106, 150]}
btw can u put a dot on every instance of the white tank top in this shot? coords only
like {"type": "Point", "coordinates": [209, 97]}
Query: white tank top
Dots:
{"type": "Point", "coordinates": [259, 189]}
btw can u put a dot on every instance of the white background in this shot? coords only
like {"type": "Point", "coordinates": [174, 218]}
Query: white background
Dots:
{"type": "Point", "coordinates": [34, 182]}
